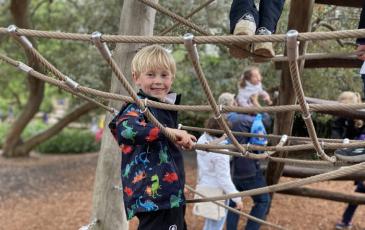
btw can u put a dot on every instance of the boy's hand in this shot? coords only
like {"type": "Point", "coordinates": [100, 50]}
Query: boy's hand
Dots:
{"type": "Point", "coordinates": [183, 138]}
{"type": "Point", "coordinates": [239, 206]}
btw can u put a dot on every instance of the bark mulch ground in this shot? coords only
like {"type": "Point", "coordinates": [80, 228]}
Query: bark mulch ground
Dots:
{"type": "Point", "coordinates": [55, 193]}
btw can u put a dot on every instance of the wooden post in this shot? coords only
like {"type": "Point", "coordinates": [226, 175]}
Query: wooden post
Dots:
{"type": "Point", "coordinates": [108, 208]}
{"type": "Point", "coordinates": [299, 19]}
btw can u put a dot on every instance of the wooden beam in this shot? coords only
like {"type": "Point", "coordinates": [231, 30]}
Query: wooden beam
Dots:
{"type": "Point", "coordinates": [303, 172]}
{"type": "Point", "coordinates": [327, 195]}
{"type": "Point", "coordinates": [300, 15]}
{"type": "Point", "coordinates": [348, 3]}
{"type": "Point", "coordinates": [329, 63]}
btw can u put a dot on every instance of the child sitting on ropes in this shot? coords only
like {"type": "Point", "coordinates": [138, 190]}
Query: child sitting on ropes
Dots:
{"type": "Point", "coordinates": [152, 166]}
{"type": "Point", "coordinates": [349, 128]}
{"type": "Point", "coordinates": [249, 86]}
{"type": "Point", "coordinates": [245, 19]}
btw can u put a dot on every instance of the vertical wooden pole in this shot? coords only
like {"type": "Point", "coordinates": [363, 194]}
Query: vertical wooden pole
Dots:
{"type": "Point", "coordinates": [300, 15]}
{"type": "Point", "coordinates": [108, 208]}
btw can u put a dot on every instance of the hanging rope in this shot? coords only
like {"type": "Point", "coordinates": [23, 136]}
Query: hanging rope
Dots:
{"type": "Point", "coordinates": [292, 48]}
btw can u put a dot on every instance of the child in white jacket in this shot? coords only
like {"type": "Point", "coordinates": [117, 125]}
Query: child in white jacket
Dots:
{"type": "Point", "coordinates": [214, 171]}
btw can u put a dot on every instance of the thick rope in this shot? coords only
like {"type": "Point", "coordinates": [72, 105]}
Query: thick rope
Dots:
{"type": "Point", "coordinates": [194, 57]}
{"type": "Point", "coordinates": [260, 221]}
{"type": "Point", "coordinates": [27, 45]}
{"type": "Point", "coordinates": [213, 39]}
{"type": "Point", "coordinates": [343, 171]}
{"type": "Point", "coordinates": [292, 49]}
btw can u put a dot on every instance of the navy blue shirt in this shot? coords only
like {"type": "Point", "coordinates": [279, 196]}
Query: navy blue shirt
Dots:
{"type": "Point", "coordinates": [243, 167]}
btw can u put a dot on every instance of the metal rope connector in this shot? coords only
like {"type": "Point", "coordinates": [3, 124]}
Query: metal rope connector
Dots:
{"type": "Point", "coordinates": [118, 187]}
{"type": "Point", "coordinates": [12, 28]}
{"type": "Point", "coordinates": [283, 139]}
{"type": "Point", "coordinates": [190, 46]}
{"type": "Point", "coordinates": [102, 46]}
{"type": "Point", "coordinates": [145, 101]}
{"type": "Point", "coordinates": [292, 44]}
{"type": "Point", "coordinates": [24, 67]}
{"type": "Point", "coordinates": [90, 226]}
{"type": "Point", "coordinates": [114, 112]}
{"type": "Point", "coordinates": [179, 126]}
{"type": "Point", "coordinates": [71, 83]}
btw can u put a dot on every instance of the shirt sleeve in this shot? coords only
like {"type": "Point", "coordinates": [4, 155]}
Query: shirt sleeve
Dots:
{"type": "Point", "coordinates": [223, 175]}
{"type": "Point", "coordinates": [131, 128]}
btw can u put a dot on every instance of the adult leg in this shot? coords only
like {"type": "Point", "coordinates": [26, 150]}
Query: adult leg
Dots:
{"type": "Point", "coordinates": [233, 218]}
{"type": "Point", "coordinates": [261, 202]}
{"type": "Point", "coordinates": [351, 208]}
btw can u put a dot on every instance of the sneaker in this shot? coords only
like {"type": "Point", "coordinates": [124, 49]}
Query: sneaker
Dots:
{"type": "Point", "coordinates": [263, 49]}
{"type": "Point", "coordinates": [343, 226]}
{"type": "Point", "coordinates": [354, 155]}
{"type": "Point", "coordinates": [245, 26]}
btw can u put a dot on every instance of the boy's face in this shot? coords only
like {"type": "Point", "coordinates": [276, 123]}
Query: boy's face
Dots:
{"type": "Point", "coordinates": [156, 83]}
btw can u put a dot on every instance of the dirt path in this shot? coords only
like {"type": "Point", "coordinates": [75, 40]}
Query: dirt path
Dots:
{"type": "Point", "coordinates": [55, 193]}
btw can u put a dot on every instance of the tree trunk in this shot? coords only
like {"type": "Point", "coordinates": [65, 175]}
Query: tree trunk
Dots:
{"type": "Point", "coordinates": [27, 146]}
{"type": "Point", "coordinates": [108, 208]}
{"type": "Point", "coordinates": [11, 148]}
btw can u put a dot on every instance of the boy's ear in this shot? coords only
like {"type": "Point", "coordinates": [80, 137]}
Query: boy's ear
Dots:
{"type": "Point", "coordinates": [134, 77]}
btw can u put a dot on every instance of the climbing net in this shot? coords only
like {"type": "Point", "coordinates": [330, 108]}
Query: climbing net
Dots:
{"type": "Point", "coordinates": [235, 149]}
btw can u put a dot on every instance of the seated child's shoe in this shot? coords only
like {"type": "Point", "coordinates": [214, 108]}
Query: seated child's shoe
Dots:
{"type": "Point", "coordinates": [263, 49]}
{"type": "Point", "coordinates": [245, 26]}
{"type": "Point", "coordinates": [353, 155]}
{"type": "Point", "coordinates": [343, 226]}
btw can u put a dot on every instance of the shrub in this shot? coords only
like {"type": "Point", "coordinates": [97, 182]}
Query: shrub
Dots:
{"type": "Point", "coordinates": [70, 141]}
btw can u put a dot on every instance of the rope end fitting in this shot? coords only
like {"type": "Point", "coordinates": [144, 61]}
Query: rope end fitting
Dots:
{"type": "Point", "coordinates": [12, 29]}
{"type": "Point", "coordinates": [102, 47]}
{"type": "Point", "coordinates": [190, 46]}
{"type": "Point", "coordinates": [283, 139]}
{"type": "Point", "coordinates": [292, 44]}
{"type": "Point", "coordinates": [24, 67]}
{"type": "Point", "coordinates": [71, 83]}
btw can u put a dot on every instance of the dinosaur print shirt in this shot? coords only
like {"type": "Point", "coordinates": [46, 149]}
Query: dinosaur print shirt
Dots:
{"type": "Point", "coordinates": [152, 168]}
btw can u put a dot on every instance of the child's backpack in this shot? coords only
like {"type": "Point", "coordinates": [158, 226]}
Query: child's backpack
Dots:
{"type": "Point", "coordinates": [258, 127]}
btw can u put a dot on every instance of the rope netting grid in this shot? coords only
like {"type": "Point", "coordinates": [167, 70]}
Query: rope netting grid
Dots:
{"type": "Point", "coordinates": [217, 111]}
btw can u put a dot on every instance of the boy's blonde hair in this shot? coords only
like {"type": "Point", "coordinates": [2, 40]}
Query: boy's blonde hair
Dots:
{"type": "Point", "coordinates": [152, 58]}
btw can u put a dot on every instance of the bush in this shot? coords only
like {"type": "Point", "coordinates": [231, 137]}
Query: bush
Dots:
{"type": "Point", "coordinates": [70, 141]}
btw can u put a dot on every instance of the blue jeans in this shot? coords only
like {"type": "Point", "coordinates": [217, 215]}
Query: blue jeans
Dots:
{"type": "Point", "coordinates": [261, 202]}
{"type": "Point", "coordinates": [351, 208]}
{"type": "Point", "coordinates": [210, 224]}
{"type": "Point", "coordinates": [268, 16]}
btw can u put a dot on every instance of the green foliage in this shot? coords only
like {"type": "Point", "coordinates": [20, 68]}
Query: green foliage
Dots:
{"type": "Point", "coordinates": [3, 129]}
{"type": "Point", "coordinates": [70, 141]}
{"type": "Point", "coordinates": [33, 128]}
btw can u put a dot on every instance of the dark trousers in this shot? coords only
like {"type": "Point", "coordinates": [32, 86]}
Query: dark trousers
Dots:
{"type": "Point", "coordinates": [167, 219]}
{"type": "Point", "coordinates": [351, 208]}
{"type": "Point", "coordinates": [261, 202]}
{"type": "Point", "coordinates": [268, 16]}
